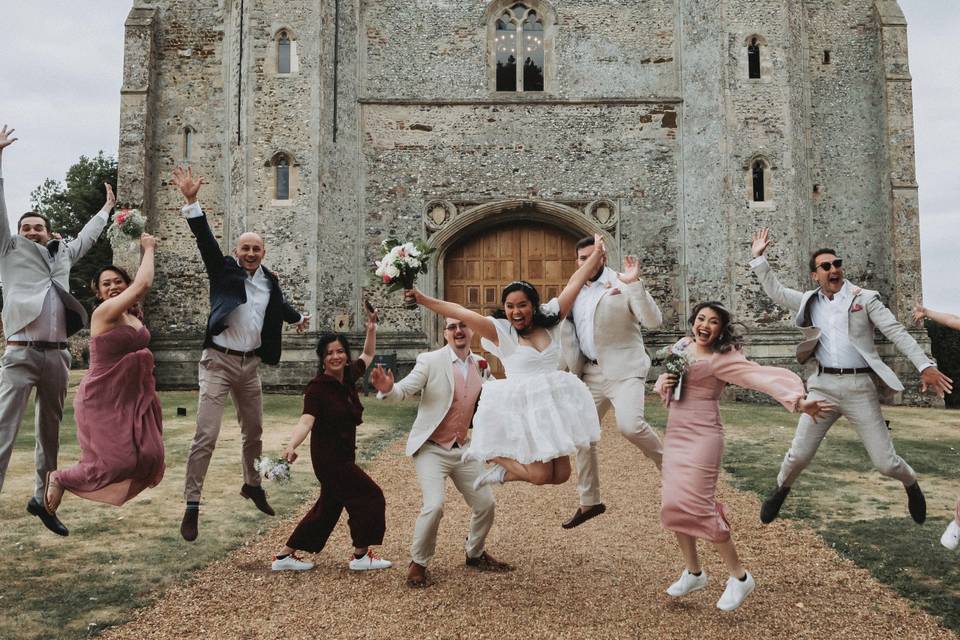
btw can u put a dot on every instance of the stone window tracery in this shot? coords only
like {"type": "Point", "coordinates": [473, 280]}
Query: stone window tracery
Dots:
{"type": "Point", "coordinates": [283, 178]}
{"type": "Point", "coordinates": [285, 53]}
{"type": "Point", "coordinates": [520, 49]}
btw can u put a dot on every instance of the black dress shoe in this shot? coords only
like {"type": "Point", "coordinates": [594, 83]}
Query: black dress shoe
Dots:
{"type": "Point", "coordinates": [584, 514]}
{"type": "Point", "coordinates": [259, 497]}
{"type": "Point", "coordinates": [771, 506]}
{"type": "Point", "coordinates": [188, 526]}
{"type": "Point", "coordinates": [50, 520]}
{"type": "Point", "coordinates": [916, 503]}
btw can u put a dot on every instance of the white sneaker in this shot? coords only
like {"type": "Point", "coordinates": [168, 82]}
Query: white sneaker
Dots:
{"type": "Point", "coordinates": [369, 562]}
{"type": "Point", "coordinates": [290, 563]}
{"type": "Point", "coordinates": [688, 583]}
{"type": "Point", "coordinates": [494, 475]}
{"type": "Point", "coordinates": [736, 592]}
{"type": "Point", "coordinates": [951, 537]}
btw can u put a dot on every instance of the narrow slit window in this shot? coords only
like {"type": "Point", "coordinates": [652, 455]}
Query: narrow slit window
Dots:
{"type": "Point", "coordinates": [758, 181]}
{"type": "Point", "coordinates": [187, 145]}
{"type": "Point", "coordinates": [826, 56]}
{"type": "Point", "coordinates": [283, 53]}
{"type": "Point", "coordinates": [282, 170]}
{"type": "Point", "coordinates": [753, 58]}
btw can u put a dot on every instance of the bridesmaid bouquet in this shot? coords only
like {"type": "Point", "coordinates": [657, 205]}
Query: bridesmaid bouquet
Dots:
{"type": "Point", "coordinates": [401, 265]}
{"type": "Point", "coordinates": [277, 470]}
{"type": "Point", "coordinates": [127, 224]}
{"type": "Point", "coordinates": [676, 360]}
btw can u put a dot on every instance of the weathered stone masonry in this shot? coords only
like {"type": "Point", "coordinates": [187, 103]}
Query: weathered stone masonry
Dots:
{"type": "Point", "coordinates": [392, 126]}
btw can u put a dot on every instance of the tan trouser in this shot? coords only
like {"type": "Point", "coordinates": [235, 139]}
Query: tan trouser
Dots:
{"type": "Point", "coordinates": [23, 369]}
{"type": "Point", "coordinates": [221, 374]}
{"type": "Point", "coordinates": [857, 400]}
{"type": "Point", "coordinates": [626, 397]}
{"type": "Point", "coordinates": [434, 465]}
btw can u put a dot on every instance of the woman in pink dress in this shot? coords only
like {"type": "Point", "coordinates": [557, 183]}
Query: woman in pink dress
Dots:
{"type": "Point", "coordinates": [119, 424]}
{"type": "Point", "coordinates": [693, 446]}
{"type": "Point", "coordinates": [951, 535]}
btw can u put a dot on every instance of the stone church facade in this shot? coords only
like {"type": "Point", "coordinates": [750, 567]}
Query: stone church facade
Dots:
{"type": "Point", "coordinates": [673, 127]}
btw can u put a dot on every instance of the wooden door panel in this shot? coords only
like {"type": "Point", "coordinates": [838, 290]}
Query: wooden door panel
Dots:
{"type": "Point", "coordinates": [477, 269]}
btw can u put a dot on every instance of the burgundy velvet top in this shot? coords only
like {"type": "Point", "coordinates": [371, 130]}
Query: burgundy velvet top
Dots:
{"type": "Point", "coordinates": [337, 409]}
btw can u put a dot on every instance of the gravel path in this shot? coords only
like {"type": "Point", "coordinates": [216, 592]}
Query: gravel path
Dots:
{"type": "Point", "coordinates": [605, 579]}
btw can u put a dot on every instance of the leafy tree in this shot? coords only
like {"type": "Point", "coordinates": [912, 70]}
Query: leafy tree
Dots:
{"type": "Point", "coordinates": [69, 205]}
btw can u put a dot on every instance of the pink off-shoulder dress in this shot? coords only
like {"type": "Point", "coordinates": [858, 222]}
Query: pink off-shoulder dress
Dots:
{"type": "Point", "coordinates": [119, 421]}
{"type": "Point", "coordinates": [693, 446]}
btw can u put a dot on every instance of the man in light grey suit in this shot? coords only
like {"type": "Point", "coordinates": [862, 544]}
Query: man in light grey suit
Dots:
{"type": "Point", "coordinates": [838, 320]}
{"type": "Point", "coordinates": [39, 314]}
{"type": "Point", "coordinates": [449, 381]}
{"type": "Point", "coordinates": [603, 344]}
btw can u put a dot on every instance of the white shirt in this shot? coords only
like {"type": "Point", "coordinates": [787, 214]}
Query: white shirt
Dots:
{"type": "Point", "coordinates": [460, 365]}
{"type": "Point", "coordinates": [585, 309]}
{"type": "Point", "coordinates": [245, 323]}
{"type": "Point", "coordinates": [832, 318]}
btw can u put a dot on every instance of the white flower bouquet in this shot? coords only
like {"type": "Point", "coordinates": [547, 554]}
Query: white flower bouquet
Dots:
{"type": "Point", "coordinates": [401, 264]}
{"type": "Point", "coordinates": [277, 469]}
{"type": "Point", "coordinates": [128, 224]}
{"type": "Point", "coordinates": [675, 360]}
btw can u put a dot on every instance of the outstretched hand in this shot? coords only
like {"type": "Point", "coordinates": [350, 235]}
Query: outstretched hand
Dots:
{"type": "Point", "coordinates": [304, 324]}
{"type": "Point", "coordinates": [381, 379]}
{"type": "Point", "coordinates": [6, 137]}
{"type": "Point", "coordinates": [631, 270]}
{"type": "Point", "coordinates": [188, 184]}
{"type": "Point", "coordinates": [816, 409]}
{"type": "Point", "coordinates": [416, 294]}
{"type": "Point", "coordinates": [933, 380]}
{"type": "Point", "coordinates": [148, 241]}
{"type": "Point", "coordinates": [372, 316]}
{"type": "Point", "coordinates": [919, 313]}
{"type": "Point", "coordinates": [761, 241]}
{"type": "Point", "coordinates": [111, 198]}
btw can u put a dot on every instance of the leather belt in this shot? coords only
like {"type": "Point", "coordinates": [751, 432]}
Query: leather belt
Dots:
{"type": "Point", "coordinates": [456, 445]}
{"type": "Point", "coordinates": [38, 344]}
{"type": "Point", "coordinates": [842, 371]}
{"type": "Point", "coordinates": [233, 352]}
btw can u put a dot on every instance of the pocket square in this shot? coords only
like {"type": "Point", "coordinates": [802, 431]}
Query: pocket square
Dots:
{"type": "Point", "coordinates": [856, 308]}
{"type": "Point", "coordinates": [615, 292]}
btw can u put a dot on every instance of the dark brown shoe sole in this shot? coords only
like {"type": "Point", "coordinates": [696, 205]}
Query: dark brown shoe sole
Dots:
{"type": "Point", "coordinates": [582, 516]}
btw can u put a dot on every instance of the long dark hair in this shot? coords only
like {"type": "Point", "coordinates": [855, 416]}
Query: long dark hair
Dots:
{"type": "Point", "coordinates": [728, 338]}
{"type": "Point", "coordinates": [135, 310]}
{"type": "Point", "coordinates": [325, 341]}
{"type": "Point", "coordinates": [540, 319]}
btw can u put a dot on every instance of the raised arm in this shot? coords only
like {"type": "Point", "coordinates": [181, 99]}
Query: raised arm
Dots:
{"type": "Point", "coordinates": [783, 296]}
{"type": "Point", "coordinates": [370, 342]}
{"type": "Point", "coordinates": [920, 313]}
{"type": "Point", "coordinates": [579, 278]}
{"type": "Point", "coordinates": [782, 385]}
{"type": "Point", "coordinates": [642, 304]}
{"type": "Point", "coordinates": [6, 239]}
{"type": "Point", "coordinates": [91, 231]}
{"type": "Point", "coordinates": [412, 384]}
{"type": "Point", "coordinates": [110, 311]}
{"type": "Point", "coordinates": [210, 251]}
{"type": "Point", "coordinates": [481, 325]}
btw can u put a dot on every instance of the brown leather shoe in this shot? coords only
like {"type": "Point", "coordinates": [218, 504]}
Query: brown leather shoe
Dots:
{"type": "Point", "coordinates": [416, 575]}
{"type": "Point", "coordinates": [583, 514]}
{"type": "Point", "coordinates": [486, 562]}
{"type": "Point", "coordinates": [259, 497]}
{"type": "Point", "coordinates": [188, 526]}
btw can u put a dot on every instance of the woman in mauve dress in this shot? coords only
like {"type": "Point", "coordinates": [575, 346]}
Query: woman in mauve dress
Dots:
{"type": "Point", "coordinates": [119, 424]}
{"type": "Point", "coordinates": [693, 445]}
{"type": "Point", "coordinates": [951, 535]}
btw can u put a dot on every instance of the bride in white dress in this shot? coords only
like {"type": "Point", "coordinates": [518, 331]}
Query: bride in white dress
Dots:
{"type": "Point", "coordinates": [530, 422]}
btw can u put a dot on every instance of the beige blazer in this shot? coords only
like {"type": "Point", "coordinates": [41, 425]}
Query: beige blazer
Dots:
{"type": "Point", "coordinates": [866, 313]}
{"type": "Point", "coordinates": [432, 377]}
{"type": "Point", "coordinates": [28, 275]}
{"type": "Point", "coordinates": [617, 332]}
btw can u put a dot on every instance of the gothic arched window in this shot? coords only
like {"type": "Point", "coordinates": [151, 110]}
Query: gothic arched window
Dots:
{"type": "Point", "coordinates": [283, 52]}
{"type": "Point", "coordinates": [520, 49]}
{"type": "Point", "coordinates": [758, 180]}
{"type": "Point", "coordinates": [753, 58]}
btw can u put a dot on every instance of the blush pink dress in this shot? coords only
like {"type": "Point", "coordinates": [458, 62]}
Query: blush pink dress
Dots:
{"type": "Point", "coordinates": [119, 422]}
{"type": "Point", "coordinates": [694, 441]}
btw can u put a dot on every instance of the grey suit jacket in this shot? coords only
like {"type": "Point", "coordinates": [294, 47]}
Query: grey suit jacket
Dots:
{"type": "Point", "coordinates": [617, 332]}
{"type": "Point", "coordinates": [432, 377]}
{"type": "Point", "coordinates": [866, 313]}
{"type": "Point", "coordinates": [27, 275]}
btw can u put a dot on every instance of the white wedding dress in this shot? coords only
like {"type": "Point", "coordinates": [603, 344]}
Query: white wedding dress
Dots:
{"type": "Point", "coordinates": [537, 413]}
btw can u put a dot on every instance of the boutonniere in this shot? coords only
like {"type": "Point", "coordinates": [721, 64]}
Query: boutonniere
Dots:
{"type": "Point", "coordinates": [855, 308]}
{"type": "Point", "coordinates": [482, 364]}
{"type": "Point", "coordinates": [616, 291]}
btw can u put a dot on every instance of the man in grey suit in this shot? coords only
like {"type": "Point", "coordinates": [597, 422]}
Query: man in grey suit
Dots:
{"type": "Point", "coordinates": [603, 344]}
{"type": "Point", "coordinates": [838, 320]}
{"type": "Point", "coordinates": [39, 314]}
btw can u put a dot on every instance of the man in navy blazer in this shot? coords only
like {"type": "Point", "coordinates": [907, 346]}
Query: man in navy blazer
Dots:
{"type": "Point", "coordinates": [247, 312]}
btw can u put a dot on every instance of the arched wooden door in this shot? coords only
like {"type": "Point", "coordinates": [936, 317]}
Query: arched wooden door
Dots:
{"type": "Point", "coordinates": [478, 268]}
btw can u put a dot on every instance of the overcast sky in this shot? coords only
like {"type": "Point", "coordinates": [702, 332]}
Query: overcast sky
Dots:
{"type": "Point", "coordinates": [62, 93]}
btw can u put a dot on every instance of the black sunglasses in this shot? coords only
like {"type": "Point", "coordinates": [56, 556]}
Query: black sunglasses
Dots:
{"type": "Point", "coordinates": [838, 263]}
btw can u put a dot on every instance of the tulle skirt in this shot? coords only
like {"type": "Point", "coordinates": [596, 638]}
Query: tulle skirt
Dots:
{"type": "Point", "coordinates": [533, 418]}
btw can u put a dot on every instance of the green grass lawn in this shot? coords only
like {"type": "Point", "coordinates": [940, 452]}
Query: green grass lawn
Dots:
{"type": "Point", "coordinates": [118, 559]}
{"type": "Point", "coordinates": [858, 511]}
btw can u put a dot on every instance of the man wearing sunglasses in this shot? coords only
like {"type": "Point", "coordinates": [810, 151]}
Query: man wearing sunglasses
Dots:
{"type": "Point", "coordinates": [838, 321]}
{"type": "Point", "coordinates": [448, 381]}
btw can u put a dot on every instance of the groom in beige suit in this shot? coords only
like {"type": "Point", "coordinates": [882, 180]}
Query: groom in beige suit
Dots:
{"type": "Point", "coordinates": [603, 345]}
{"type": "Point", "coordinates": [838, 320]}
{"type": "Point", "coordinates": [449, 381]}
